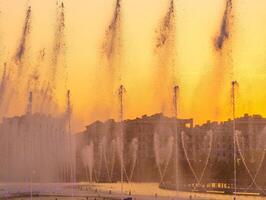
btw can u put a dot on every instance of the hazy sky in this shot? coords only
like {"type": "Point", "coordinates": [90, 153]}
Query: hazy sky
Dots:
{"type": "Point", "coordinates": [197, 24]}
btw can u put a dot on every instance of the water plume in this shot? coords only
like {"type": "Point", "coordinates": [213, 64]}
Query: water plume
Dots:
{"type": "Point", "coordinates": [133, 151]}
{"type": "Point", "coordinates": [35, 147]}
{"type": "Point", "coordinates": [165, 53]}
{"type": "Point", "coordinates": [59, 40]}
{"type": "Point", "coordinates": [225, 26]}
{"type": "Point", "coordinates": [252, 155]}
{"type": "Point", "coordinates": [163, 145]}
{"type": "Point", "coordinates": [121, 97]}
{"type": "Point", "coordinates": [112, 35]}
{"type": "Point", "coordinates": [110, 60]}
{"type": "Point", "coordinates": [167, 27]}
{"type": "Point", "coordinates": [109, 150]}
{"type": "Point", "coordinates": [165, 80]}
{"type": "Point", "coordinates": [87, 156]}
{"type": "Point", "coordinates": [198, 161]}
{"type": "Point", "coordinates": [111, 50]}
{"type": "Point", "coordinates": [16, 70]}
{"type": "Point", "coordinates": [20, 53]}
{"type": "Point", "coordinates": [222, 70]}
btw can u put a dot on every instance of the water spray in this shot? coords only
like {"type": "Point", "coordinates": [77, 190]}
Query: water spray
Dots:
{"type": "Point", "coordinates": [225, 26]}
{"type": "Point", "coordinates": [165, 52]}
{"type": "Point", "coordinates": [175, 102]}
{"type": "Point", "coordinates": [34, 77]}
{"type": "Point", "coordinates": [24, 38]}
{"type": "Point", "coordinates": [164, 48]}
{"type": "Point", "coordinates": [253, 177]}
{"type": "Point", "coordinates": [223, 61]}
{"type": "Point", "coordinates": [111, 47]}
{"type": "Point", "coordinates": [69, 113]}
{"type": "Point", "coordinates": [187, 157]}
{"type": "Point", "coordinates": [134, 151]}
{"type": "Point", "coordinates": [109, 157]}
{"type": "Point", "coordinates": [59, 40]}
{"type": "Point", "coordinates": [163, 154]}
{"type": "Point", "coordinates": [199, 177]}
{"type": "Point", "coordinates": [233, 96]}
{"type": "Point", "coordinates": [111, 42]}
{"type": "Point", "coordinates": [121, 93]}
{"type": "Point", "coordinates": [166, 27]}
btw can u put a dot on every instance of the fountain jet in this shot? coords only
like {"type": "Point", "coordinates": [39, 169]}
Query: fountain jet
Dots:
{"type": "Point", "coordinates": [222, 66]}
{"type": "Point", "coordinates": [233, 96]}
{"type": "Point", "coordinates": [111, 47]}
{"type": "Point", "coordinates": [175, 104]}
{"type": "Point", "coordinates": [165, 52]}
{"type": "Point", "coordinates": [121, 92]}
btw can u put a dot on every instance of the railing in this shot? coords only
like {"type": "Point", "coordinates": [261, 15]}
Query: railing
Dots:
{"type": "Point", "coordinates": [222, 188]}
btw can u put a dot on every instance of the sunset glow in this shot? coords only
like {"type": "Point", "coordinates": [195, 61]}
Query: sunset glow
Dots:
{"type": "Point", "coordinates": [203, 73]}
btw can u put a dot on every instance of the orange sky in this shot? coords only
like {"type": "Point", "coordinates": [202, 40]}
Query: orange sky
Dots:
{"type": "Point", "coordinates": [197, 24]}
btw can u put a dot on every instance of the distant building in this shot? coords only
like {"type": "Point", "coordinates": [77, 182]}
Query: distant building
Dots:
{"type": "Point", "coordinates": [149, 148]}
{"type": "Point", "coordinates": [138, 136]}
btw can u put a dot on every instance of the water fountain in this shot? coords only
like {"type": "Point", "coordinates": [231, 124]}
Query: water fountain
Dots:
{"type": "Point", "coordinates": [198, 160]}
{"type": "Point", "coordinates": [163, 148]}
{"type": "Point", "coordinates": [38, 147]}
{"type": "Point", "coordinates": [32, 142]}
{"type": "Point", "coordinates": [132, 157]}
{"type": "Point", "coordinates": [249, 159]}
{"type": "Point", "coordinates": [88, 160]}
{"type": "Point", "coordinates": [109, 157]}
{"type": "Point", "coordinates": [99, 162]}
{"type": "Point", "coordinates": [165, 78]}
